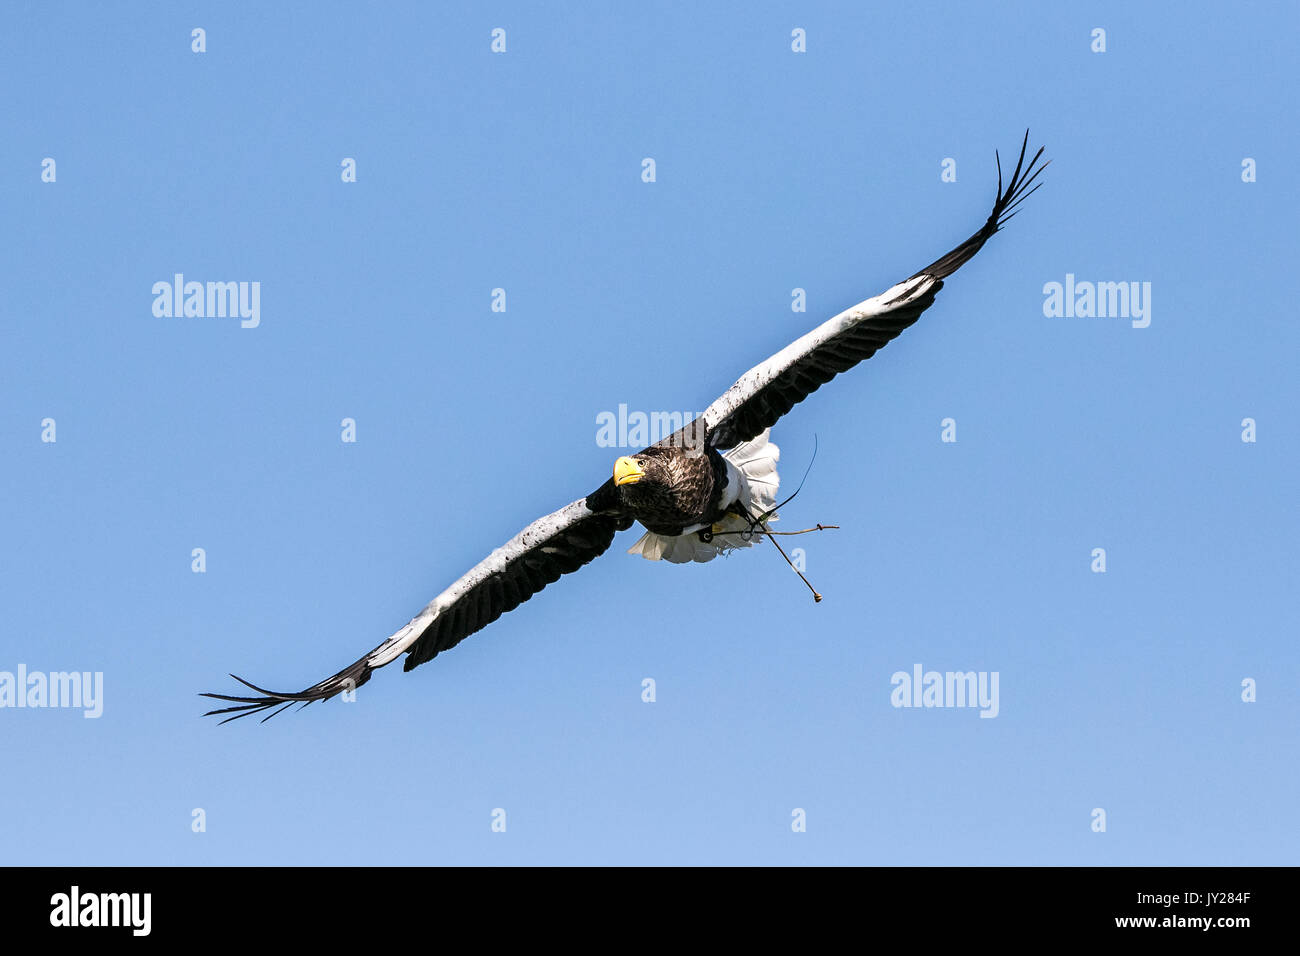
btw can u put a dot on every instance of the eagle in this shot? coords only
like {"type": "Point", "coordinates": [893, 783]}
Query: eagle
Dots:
{"type": "Point", "coordinates": [707, 489]}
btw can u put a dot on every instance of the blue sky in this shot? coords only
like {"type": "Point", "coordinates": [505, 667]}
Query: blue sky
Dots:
{"type": "Point", "coordinates": [522, 170]}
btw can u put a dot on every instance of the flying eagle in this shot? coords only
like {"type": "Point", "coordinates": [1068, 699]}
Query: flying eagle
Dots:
{"type": "Point", "coordinates": [709, 488]}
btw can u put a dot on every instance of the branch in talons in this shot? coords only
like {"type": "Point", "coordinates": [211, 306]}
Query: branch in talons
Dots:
{"type": "Point", "coordinates": [760, 527]}
{"type": "Point", "coordinates": [751, 532]}
{"type": "Point", "coordinates": [820, 527]}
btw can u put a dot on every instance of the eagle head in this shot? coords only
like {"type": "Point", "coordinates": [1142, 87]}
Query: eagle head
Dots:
{"type": "Point", "coordinates": [648, 484]}
{"type": "Point", "coordinates": [651, 474]}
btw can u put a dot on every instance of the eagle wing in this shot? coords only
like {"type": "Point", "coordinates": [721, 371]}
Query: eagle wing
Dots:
{"type": "Point", "coordinates": [766, 392]}
{"type": "Point", "coordinates": [549, 547]}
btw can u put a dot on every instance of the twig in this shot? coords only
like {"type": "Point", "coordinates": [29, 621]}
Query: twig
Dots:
{"type": "Point", "coordinates": [766, 530]}
{"type": "Point", "coordinates": [820, 527]}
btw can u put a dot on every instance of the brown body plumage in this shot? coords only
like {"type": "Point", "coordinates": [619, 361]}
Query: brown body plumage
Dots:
{"type": "Point", "coordinates": [680, 488]}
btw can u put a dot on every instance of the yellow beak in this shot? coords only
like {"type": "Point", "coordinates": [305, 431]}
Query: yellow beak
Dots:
{"type": "Point", "coordinates": [627, 471]}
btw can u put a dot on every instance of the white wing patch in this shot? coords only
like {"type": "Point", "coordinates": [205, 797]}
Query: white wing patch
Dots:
{"type": "Point", "coordinates": [753, 381]}
{"type": "Point", "coordinates": [540, 530]}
